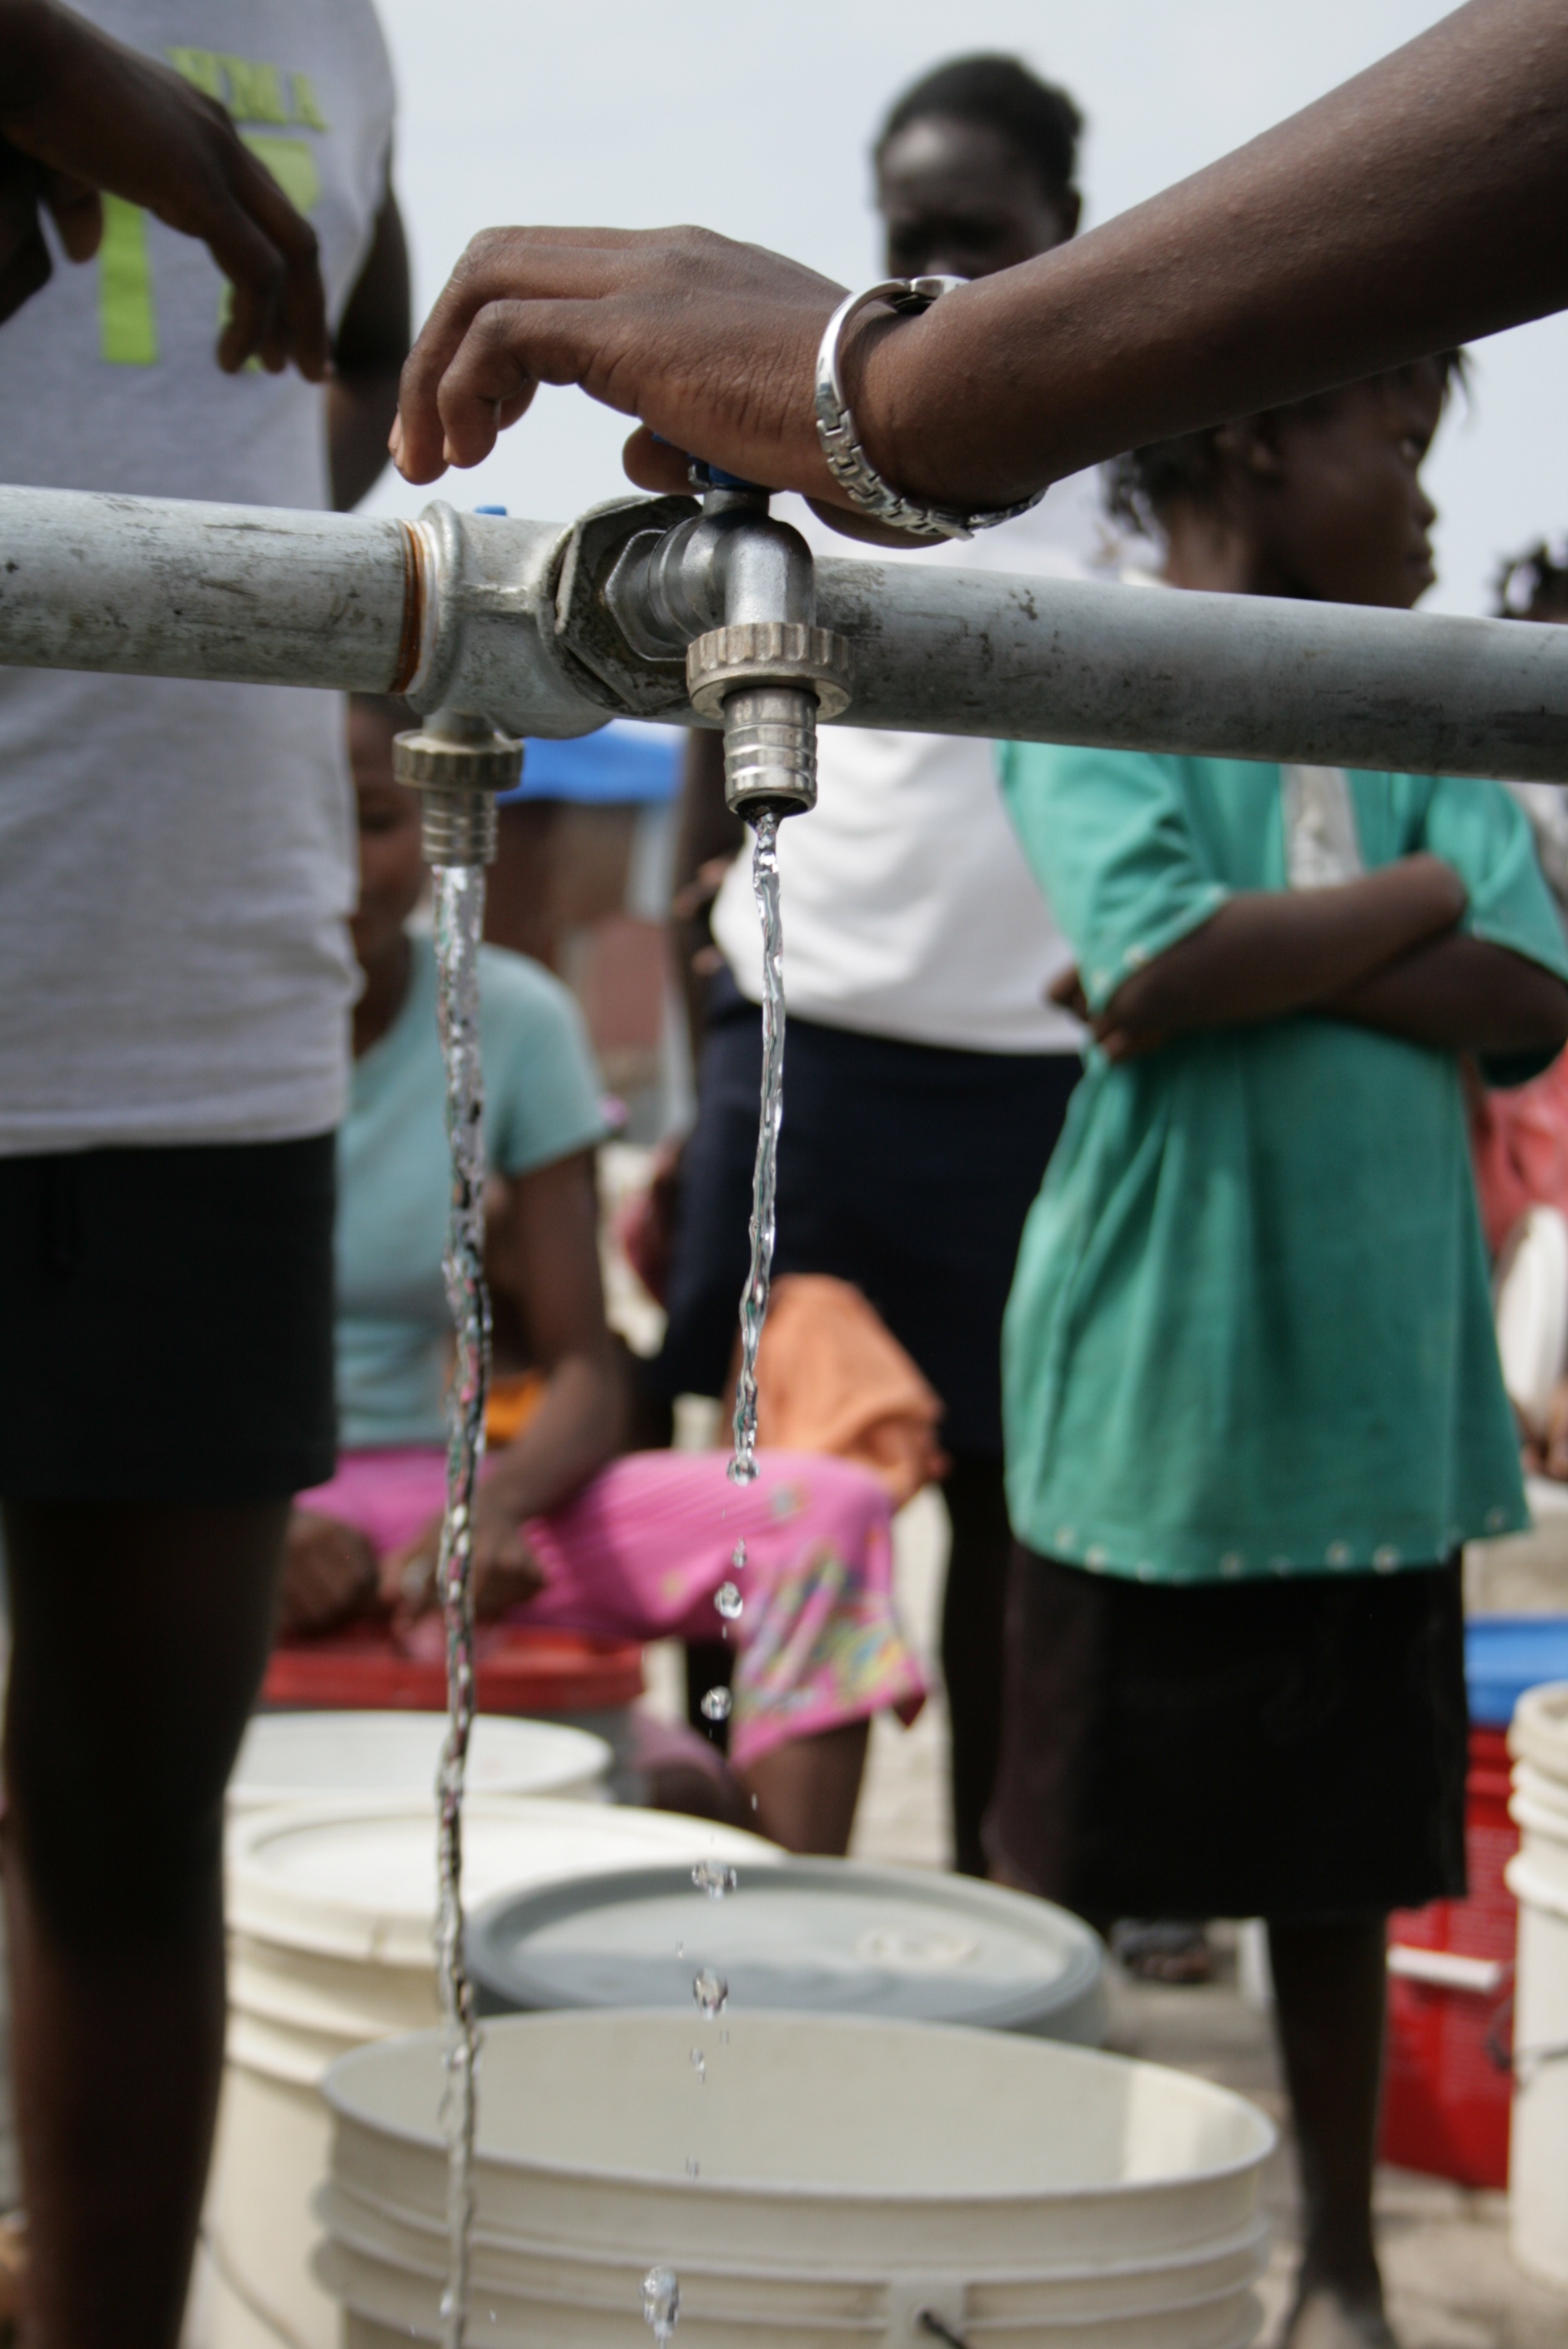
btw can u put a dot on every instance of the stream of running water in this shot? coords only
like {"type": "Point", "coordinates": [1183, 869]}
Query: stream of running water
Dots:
{"type": "Point", "coordinates": [754, 1297]}
{"type": "Point", "coordinates": [459, 891]}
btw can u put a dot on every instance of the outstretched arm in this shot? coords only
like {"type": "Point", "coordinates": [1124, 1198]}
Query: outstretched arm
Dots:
{"type": "Point", "coordinates": [1419, 205]}
{"type": "Point", "coordinates": [80, 113]}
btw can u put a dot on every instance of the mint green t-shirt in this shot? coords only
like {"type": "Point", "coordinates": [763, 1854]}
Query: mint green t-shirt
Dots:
{"type": "Point", "coordinates": [1250, 1332]}
{"type": "Point", "coordinates": [394, 1181]}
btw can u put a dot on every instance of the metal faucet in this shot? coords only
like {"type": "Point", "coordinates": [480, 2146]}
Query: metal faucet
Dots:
{"type": "Point", "coordinates": [736, 592]}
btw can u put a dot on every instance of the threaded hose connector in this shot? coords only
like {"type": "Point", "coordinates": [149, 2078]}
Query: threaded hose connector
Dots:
{"type": "Point", "coordinates": [458, 827]}
{"type": "Point", "coordinates": [770, 749]}
{"type": "Point", "coordinates": [768, 680]}
{"type": "Point", "coordinates": [458, 762]}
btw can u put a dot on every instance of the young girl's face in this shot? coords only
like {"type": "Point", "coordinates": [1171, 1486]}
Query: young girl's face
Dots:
{"type": "Point", "coordinates": [1334, 493]}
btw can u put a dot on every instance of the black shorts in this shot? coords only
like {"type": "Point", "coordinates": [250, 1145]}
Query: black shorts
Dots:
{"type": "Point", "coordinates": [907, 1169]}
{"type": "Point", "coordinates": [1289, 1749]}
{"type": "Point", "coordinates": [166, 1322]}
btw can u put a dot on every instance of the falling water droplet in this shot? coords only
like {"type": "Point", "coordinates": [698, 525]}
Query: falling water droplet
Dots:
{"type": "Point", "coordinates": [694, 2166]}
{"type": "Point", "coordinates": [737, 1557]}
{"type": "Point", "coordinates": [711, 1992]}
{"type": "Point", "coordinates": [699, 2064]}
{"type": "Point", "coordinates": [715, 1704]}
{"type": "Point", "coordinates": [715, 1876]}
{"type": "Point", "coordinates": [729, 1601]}
{"type": "Point", "coordinates": [660, 2301]}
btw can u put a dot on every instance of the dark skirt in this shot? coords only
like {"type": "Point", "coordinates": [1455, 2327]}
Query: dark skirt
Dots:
{"type": "Point", "coordinates": [1284, 1749]}
{"type": "Point", "coordinates": [907, 1169]}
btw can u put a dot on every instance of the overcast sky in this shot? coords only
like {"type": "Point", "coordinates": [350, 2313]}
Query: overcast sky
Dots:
{"type": "Point", "coordinates": [756, 121]}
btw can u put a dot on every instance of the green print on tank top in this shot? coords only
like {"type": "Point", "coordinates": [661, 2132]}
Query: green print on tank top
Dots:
{"type": "Point", "coordinates": [253, 93]}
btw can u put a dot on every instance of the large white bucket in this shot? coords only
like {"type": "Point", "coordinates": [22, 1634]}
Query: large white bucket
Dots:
{"type": "Point", "coordinates": [849, 2175]}
{"type": "Point", "coordinates": [336, 1757]}
{"type": "Point", "coordinates": [1538, 1877]}
{"type": "Point", "coordinates": [330, 1914]}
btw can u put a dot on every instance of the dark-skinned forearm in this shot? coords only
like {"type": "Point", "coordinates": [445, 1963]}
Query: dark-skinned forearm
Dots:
{"type": "Point", "coordinates": [579, 1426]}
{"type": "Point", "coordinates": [1326, 249]}
{"type": "Point", "coordinates": [367, 354]}
{"type": "Point", "coordinates": [1270, 952]}
{"type": "Point", "coordinates": [1462, 994]}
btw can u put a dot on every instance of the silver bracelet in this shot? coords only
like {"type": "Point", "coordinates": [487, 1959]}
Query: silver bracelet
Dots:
{"type": "Point", "coordinates": [847, 460]}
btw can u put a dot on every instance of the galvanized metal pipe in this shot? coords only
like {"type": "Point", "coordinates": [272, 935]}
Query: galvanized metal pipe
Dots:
{"type": "Point", "coordinates": [1240, 677]}
{"type": "Point", "coordinates": [157, 587]}
{"type": "Point", "coordinates": [462, 611]}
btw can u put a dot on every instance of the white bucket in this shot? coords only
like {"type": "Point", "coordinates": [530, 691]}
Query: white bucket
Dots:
{"type": "Point", "coordinates": [1537, 1878]}
{"type": "Point", "coordinates": [296, 1757]}
{"type": "Point", "coordinates": [850, 2174]}
{"type": "Point", "coordinates": [330, 1914]}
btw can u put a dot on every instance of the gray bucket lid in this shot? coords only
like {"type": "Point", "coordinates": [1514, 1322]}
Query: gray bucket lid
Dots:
{"type": "Point", "coordinates": [815, 1936]}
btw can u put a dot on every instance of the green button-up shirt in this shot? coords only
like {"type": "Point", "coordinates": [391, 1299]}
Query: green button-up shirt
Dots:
{"type": "Point", "coordinates": [1250, 1331]}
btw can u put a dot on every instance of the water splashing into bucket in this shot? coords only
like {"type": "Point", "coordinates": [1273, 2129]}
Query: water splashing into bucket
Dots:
{"type": "Point", "coordinates": [459, 919]}
{"type": "Point", "coordinates": [754, 1297]}
{"type": "Point", "coordinates": [661, 2304]}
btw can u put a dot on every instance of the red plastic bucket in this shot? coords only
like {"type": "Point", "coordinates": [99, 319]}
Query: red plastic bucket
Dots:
{"type": "Point", "coordinates": [1446, 2080]}
{"type": "Point", "coordinates": [520, 1670]}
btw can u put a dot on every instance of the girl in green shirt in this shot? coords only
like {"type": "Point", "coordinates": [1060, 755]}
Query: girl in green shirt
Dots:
{"type": "Point", "coordinates": [1252, 1395]}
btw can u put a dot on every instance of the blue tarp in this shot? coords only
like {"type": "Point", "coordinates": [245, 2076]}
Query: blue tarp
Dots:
{"type": "Point", "coordinates": [1506, 1654]}
{"type": "Point", "coordinates": [622, 763]}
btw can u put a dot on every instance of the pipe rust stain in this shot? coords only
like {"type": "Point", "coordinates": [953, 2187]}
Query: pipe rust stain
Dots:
{"type": "Point", "coordinates": [414, 591]}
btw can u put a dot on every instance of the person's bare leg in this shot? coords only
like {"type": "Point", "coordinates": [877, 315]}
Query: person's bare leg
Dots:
{"type": "Point", "coordinates": [807, 1790]}
{"type": "Point", "coordinates": [139, 1637]}
{"type": "Point", "coordinates": [1330, 1990]}
{"type": "Point", "coordinates": [974, 1611]}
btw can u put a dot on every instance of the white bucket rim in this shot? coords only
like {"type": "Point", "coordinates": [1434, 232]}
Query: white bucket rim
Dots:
{"type": "Point", "coordinates": [1256, 2239]}
{"type": "Point", "coordinates": [330, 2260]}
{"type": "Point", "coordinates": [269, 1909]}
{"type": "Point", "coordinates": [1530, 1888]}
{"type": "Point", "coordinates": [332, 2092]}
{"type": "Point", "coordinates": [1538, 1733]}
{"type": "Point", "coordinates": [593, 1757]}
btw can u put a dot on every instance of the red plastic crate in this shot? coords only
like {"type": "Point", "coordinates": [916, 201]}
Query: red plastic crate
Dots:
{"type": "Point", "coordinates": [1446, 2094]}
{"type": "Point", "coordinates": [366, 1668]}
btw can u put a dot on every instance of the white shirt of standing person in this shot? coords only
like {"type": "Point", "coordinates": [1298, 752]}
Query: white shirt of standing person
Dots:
{"type": "Point", "coordinates": [909, 908]}
{"type": "Point", "coordinates": [176, 858]}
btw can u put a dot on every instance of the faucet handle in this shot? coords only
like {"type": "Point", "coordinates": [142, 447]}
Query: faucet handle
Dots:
{"type": "Point", "coordinates": [704, 476]}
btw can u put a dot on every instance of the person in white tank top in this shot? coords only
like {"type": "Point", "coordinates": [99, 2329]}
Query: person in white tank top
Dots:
{"type": "Point", "coordinates": [927, 1071]}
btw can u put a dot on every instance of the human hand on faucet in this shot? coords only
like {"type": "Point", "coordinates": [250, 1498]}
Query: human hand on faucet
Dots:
{"type": "Point", "coordinates": [1396, 216]}
{"type": "Point", "coordinates": [81, 114]}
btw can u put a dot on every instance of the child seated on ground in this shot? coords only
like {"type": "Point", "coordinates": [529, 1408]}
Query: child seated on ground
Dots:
{"type": "Point", "coordinates": [566, 1532]}
{"type": "Point", "coordinates": [1253, 1398]}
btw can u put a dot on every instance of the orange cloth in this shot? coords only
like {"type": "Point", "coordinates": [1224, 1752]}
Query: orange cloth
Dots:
{"type": "Point", "coordinates": [831, 1377]}
{"type": "Point", "coordinates": [1518, 1141]}
{"type": "Point", "coordinates": [512, 1401]}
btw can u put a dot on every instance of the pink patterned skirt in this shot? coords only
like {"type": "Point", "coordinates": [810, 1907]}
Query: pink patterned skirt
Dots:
{"type": "Point", "coordinates": [640, 1552]}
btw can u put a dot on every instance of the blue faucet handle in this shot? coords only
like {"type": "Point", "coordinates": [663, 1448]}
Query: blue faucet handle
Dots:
{"type": "Point", "coordinates": [704, 476]}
